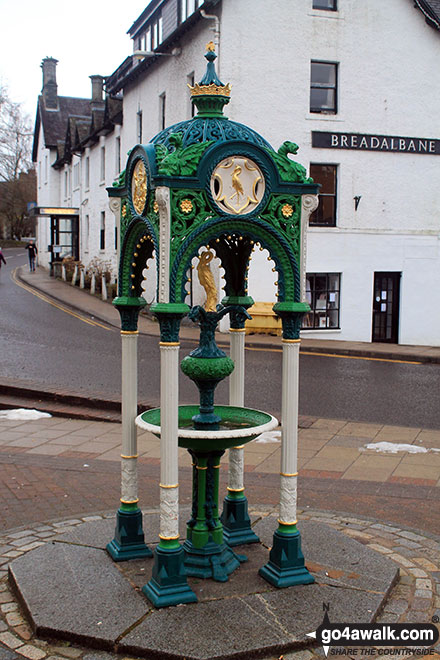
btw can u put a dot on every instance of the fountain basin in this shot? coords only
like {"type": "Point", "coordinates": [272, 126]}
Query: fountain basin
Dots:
{"type": "Point", "coordinates": [238, 426]}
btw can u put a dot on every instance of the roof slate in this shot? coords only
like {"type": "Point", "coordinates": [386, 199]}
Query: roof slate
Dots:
{"type": "Point", "coordinates": [431, 10]}
{"type": "Point", "coordinates": [55, 121]}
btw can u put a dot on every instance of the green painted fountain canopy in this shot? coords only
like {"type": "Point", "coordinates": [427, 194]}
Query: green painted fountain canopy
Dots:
{"type": "Point", "coordinates": [230, 190]}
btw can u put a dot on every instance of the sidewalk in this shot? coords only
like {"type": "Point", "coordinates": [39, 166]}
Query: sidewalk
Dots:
{"type": "Point", "coordinates": [94, 307]}
{"type": "Point", "coordinates": [56, 466]}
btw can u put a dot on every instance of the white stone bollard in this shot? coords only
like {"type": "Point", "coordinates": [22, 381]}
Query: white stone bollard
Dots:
{"type": "Point", "coordinates": [103, 288]}
{"type": "Point", "coordinates": [75, 275]}
{"type": "Point", "coordinates": [81, 279]}
{"type": "Point", "coordinates": [93, 283]}
{"type": "Point", "coordinates": [63, 273]}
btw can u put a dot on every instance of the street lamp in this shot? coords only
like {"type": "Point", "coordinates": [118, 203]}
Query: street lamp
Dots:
{"type": "Point", "coordinates": [145, 54]}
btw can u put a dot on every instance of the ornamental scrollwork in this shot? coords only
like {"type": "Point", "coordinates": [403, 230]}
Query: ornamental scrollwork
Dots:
{"type": "Point", "coordinates": [189, 209]}
{"type": "Point", "coordinates": [179, 160]}
{"type": "Point", "coordinates": [284, 213]}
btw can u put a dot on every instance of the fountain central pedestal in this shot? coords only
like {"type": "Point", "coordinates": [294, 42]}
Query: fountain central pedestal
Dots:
{"type": "Point", "coordinates": [207, 431]}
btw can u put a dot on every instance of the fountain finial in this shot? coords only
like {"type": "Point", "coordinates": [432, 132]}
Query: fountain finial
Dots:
{"type": "Point", "coordinates": [210, 94]}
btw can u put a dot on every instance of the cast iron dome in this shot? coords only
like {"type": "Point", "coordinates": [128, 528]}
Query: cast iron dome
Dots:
{"type": "Point", "coordinates": [209, 96]}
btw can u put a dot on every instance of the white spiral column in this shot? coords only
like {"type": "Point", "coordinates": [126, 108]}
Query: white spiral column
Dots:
{"type": "Point", "coordinates": [236, 398]}
{"type": "Point", "coordinates": [129, 542]}
{"type": "Point", "coordinates": [169, 457]}
{"type": "Point", "coordinates": [129, 455]}
{"type": "Point", "coordinates": [235, 518]}
{"type": "Point", "coordinates": [289, 432]}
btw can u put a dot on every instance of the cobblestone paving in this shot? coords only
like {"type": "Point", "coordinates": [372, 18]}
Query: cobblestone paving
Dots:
{"type": "Point", "coordinates": [415, 599]}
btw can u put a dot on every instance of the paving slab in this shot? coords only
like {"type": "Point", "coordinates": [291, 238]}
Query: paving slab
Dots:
{"type": "Point", "coordinates": [334, 558]}
{"type": "Point", "coordinates": [247, 627]}
{"type": "Point", "coordinates": [98, 603]}
{"type": "Point", "coordinates": [244, 618]}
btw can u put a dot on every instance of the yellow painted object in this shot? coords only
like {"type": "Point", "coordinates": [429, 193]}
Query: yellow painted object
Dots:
{"type": "Point", "coordinates": [264, 320]}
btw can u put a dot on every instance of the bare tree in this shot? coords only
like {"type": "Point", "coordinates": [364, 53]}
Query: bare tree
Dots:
{"type": "Point", "coordinates": [15, 138]}
{"type": "Point", "coordinates": [17, 178]}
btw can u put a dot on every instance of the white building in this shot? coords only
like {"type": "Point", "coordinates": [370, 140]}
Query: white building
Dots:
{"type": "Point", "coordinates": [354, 84]}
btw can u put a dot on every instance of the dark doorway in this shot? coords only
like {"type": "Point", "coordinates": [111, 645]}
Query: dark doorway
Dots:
{"type": "Point", "coordinates": [386, 307]}
{"type": "Point", "coordinates": [64, 237]}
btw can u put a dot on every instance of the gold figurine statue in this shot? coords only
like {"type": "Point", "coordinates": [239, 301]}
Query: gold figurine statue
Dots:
{"type": "Point", "coordinates": [206, 279]}
{"type": "Point", "coordinates": [236, 184]}
{"type": "Point", "coordinates": [139, 187]}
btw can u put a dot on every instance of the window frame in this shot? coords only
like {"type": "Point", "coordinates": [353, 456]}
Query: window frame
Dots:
{"type": "Point", "coordinates": [319, 313]}
{"type": "Point", "coordinates": [102, 168]}
{"type": "Point", "coordinates": [139, 125]}
{"type": "Point", "coordinates": [102, 232]}
{"type": "Point", "coordinates": [118, 154]}
{"type": "Point", "coordinates": [162, 110]}
{"type": "Point", "coordinates": [334, 8]}
{"type": "Point", "coordinates": [320, 195]}
{"type": "Point", "coordinates": [315, 85]}
{"type": "Point", "coordinates": [87, 173]}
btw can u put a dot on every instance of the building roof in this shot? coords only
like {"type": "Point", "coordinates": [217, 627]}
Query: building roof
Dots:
{"type": "Point", "coordinates": [74, 124]}
{"type": "Point", "coordinates": [431, 11]}
{"type": "Point", "coordinates": [54, 122]}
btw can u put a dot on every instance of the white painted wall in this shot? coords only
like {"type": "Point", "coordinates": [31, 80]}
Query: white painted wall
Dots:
{"type": "Point", "coordinates": [388, 84]}
{"type": "Point", "coordinates": [48, 191]}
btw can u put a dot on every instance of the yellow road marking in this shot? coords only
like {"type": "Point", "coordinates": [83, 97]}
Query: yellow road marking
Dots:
{"type": "Point", "coordinates": [40, 295]}
{"type": "Point", "coordinates": [335, 355]}
{"type": "Point", "coordinates": [361, 357]}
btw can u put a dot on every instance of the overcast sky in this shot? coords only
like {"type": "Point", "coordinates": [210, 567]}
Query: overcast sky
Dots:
{"type": "Point", "coordinates": [86, 37]}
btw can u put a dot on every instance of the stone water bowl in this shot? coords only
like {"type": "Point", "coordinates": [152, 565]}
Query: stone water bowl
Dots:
{"type": "Point", "coordinates": [237, 427]}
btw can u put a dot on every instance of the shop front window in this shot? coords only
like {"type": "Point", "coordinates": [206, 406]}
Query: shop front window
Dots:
{"type": "Point", "coordinates": [323, 296]}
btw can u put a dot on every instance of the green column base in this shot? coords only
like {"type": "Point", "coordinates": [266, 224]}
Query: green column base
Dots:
{"type": "Point", "coordinates": [236, 522]}
{"type": "Point", "coordinates": [286, 566]}
{"type": "Point", "coordinates": [213, 560]}
{"type": "Point", "coordinates": [168, 584]}
{"type": "Point", "coordinates": [128, 542]}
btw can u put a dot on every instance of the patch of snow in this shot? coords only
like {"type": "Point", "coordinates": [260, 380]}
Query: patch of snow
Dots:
{"type": "Point", "coordinates": [269, 436]}
{"type": "Point", "coordinates": [394, 447]}
{"type": "Point", "coordinates": [22, 414]}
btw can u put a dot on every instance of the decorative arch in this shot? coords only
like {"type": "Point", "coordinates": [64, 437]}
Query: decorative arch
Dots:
{"type": "Point", "coordinates": [140, 241]}
{"type": "Point", "coordinates": [254, 229]}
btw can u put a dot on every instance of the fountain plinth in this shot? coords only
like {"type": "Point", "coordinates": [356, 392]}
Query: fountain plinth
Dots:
{"type": "Point", "coordinates": [207, 431]}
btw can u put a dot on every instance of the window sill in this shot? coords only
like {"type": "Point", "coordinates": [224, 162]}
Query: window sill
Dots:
{"type": "Point", "coordinates": [327, 13]}
{"type": "Point", "coordinates": [325, 330]}
{"type": "Point", "coordinates": [321, 116]}
{"type": "Point", "coordinates": [319, 228]}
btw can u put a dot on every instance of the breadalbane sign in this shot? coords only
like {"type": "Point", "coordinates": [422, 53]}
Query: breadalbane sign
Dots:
{"type": "Point", "coordinates": [363, 142]}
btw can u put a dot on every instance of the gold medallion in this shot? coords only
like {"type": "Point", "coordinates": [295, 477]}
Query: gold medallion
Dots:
{"type": "Point", "coordinates": [237, 185]}
{"type": "Point", "coordinates": [139, 187]}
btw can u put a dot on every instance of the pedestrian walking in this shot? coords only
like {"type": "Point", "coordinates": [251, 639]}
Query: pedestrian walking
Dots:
{"type": "Point", "coordinates": [32, 248]}
{"type": "Point", "coordinates": [2, 259]}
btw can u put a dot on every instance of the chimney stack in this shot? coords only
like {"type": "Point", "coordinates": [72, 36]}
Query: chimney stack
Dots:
{"type": "Point", "coordinates": [50, 87]}
{"type": "Point", "coordinates": [97, 90]}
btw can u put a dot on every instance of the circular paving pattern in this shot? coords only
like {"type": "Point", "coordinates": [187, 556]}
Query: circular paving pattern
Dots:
{"type": "Point", "coordinates": [414, 599]}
